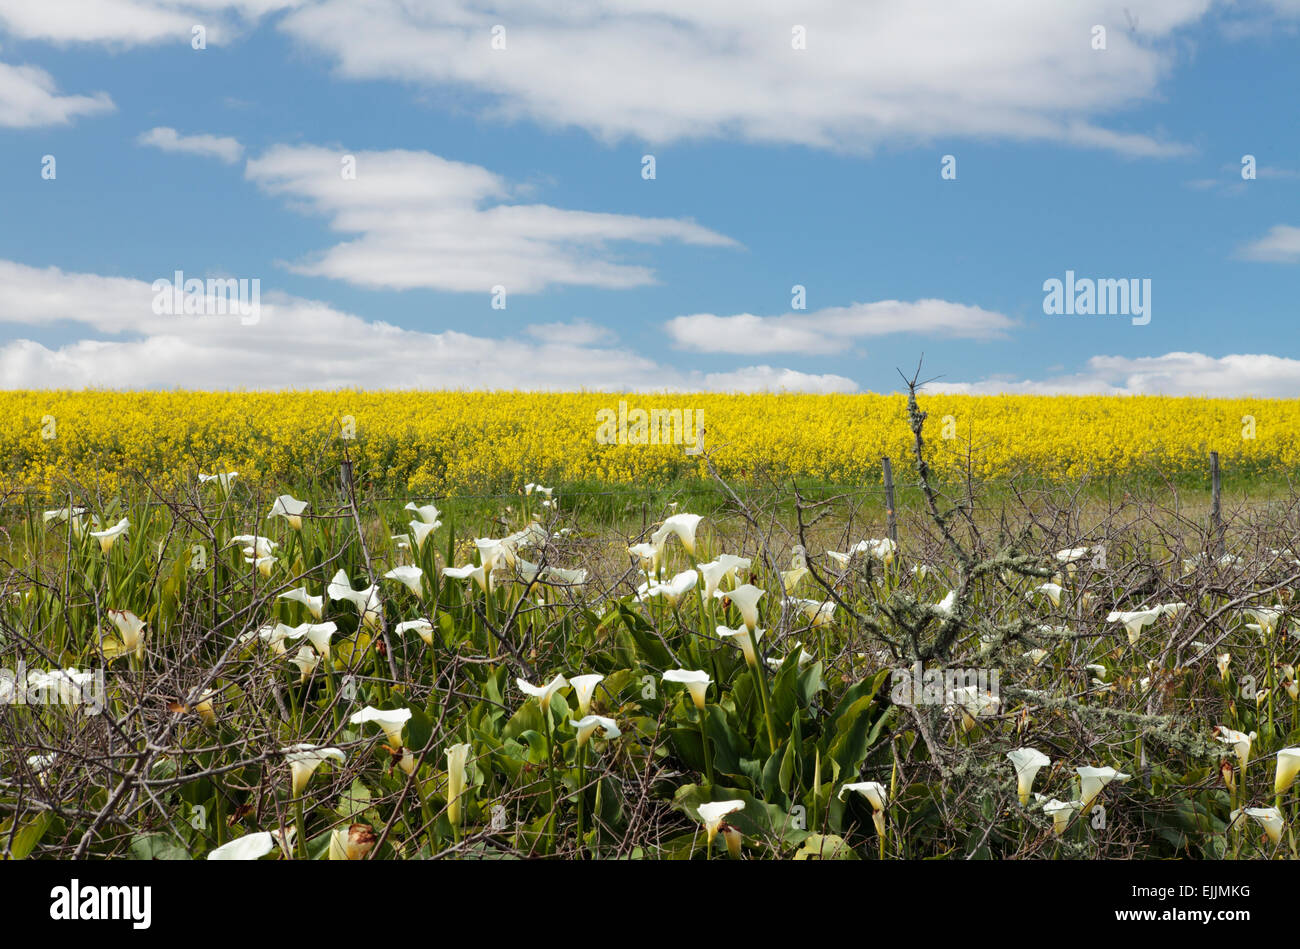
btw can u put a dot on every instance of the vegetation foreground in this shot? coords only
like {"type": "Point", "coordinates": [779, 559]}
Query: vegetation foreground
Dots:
{"type": "Point", "coordinates": [198, 673]}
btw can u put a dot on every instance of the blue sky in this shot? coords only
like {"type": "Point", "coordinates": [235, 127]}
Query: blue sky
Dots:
{"type": "Point", "coordinates": [775, 166]}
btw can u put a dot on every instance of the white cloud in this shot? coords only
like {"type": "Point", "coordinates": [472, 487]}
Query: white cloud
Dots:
{"type": "Point", "coordinates": [1177, 373]}
{"type": "Point", "coordinates": [169, 140]}
{"type": "Point", "coordinates": [830, 330]}
{"type": "Point", "coordinates": [130, 22]}
{"type": "Point", "coordinates": [423, 221]}
{"type": "Point", "coordinates": [575, 333]}
{"type": "Point", "coordinates": [299, 343]}
{"type": "Point", "coordinates": [663, 70]}
{"type": "Point", "coordinates": [1280, 245]}
{"type": "Point", "coordinates": [29, 97]}
{"type": "Point", "coordinates": [769, 379]}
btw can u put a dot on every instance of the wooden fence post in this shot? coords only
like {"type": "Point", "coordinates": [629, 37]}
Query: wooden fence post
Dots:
{"type": "Point", "coordinates": [1216, 518]}
{"type": "Point", "coordinates": [889, 499]}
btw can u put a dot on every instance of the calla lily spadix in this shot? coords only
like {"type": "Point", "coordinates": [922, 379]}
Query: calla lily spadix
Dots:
{"type": "Point", "coordinates": [131, 630]}
{"type": "Point", "coordinates": [1061, 812]}
{"type": "Point", "coordinates": [696, 682]}
{"type": "Point", "coordinates": [1093, 780]}
{"type": "Point", "coordinates": [1027, 762]}
{"type": "Point", "coordinates": [457, 762]}
{"type": "Point", "coordinates": [409, 576]}
{"type": "Point", "coordinates": [314, 604]}
{"type": "Point", "coordinates": [543, 693]}
{"type": "Point", "coordinates": [1288, 766]}
{"type": "Point", "coordinates": [392, 721]}
{"type": "Point", "coordinates": [683, 525]}
{"type": "Point", "coordinates": [107, 537]}
{"type": "Point", "coordinates": [712, 812]}
{"type": "Point", "coordinates": [584, 687]}
{"type": "Point", "coordinates": [1240, 742]}
{"type": "Point", "coordinates": [304, 759]}
{"type": "Point", "coordinates": [876, 796]}
{"type": "Point", "coordinates": [247, 847]}
{"type": "Point", "coordinates": [421, 626]}
{"type": "Point", "coordinates": [745, 598]}
{"type": "Point", "coordinates": [1134, 621]}
{"type": "Point", "coordinates": [589, 723]}
{"type": "Point", "coordinates": [744, 639]}
{"type": "Point", "coordinates": [290, 508]}
{"type": "Point", "coordinates": [427, 513]}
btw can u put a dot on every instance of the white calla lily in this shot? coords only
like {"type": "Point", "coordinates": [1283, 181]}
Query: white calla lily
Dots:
{"type": "Point", "coordinates": [303, 760]}
{"type": "Point", "coordinates": [584, 687]}
{"type": "Point", "coordinates": [107, 537]}
{"type": "Point", "coordinates": [457, 778]}
{"type": "Point", "coordinates": [315, 604]}
{"type": "Point", "coordinates": [1134, 621]}
{"type": "Point", "coordinates": [290, 508]}
{"type": "Point", "coordinates": [712, 812]}
{"type": "Point", "coordinates": [744, 598]}
{"type": "Point", "coordinates": [1027, 762]}
{"type": "Point", "coordinates": [247, 847]}
{"type": "Point", "coordinates": [1093, 780]}
{"type": "Point", "coordinates": [421, 626]}
{"type": "Point", "coordinates": [683, 525]}
{"type": "Point", "coordinates": [696, 682]}
{"type": "Point", "coordinates": [427, 513]}
{"type": "Point", "coordinates": [1288, 766]}
{"type": "Point", "coordinates": [589, 723]}
{"type": "Point", "coordinates": [391, 720]}
{"type": "Point", "coordinates": [1240, 741]}
{"type": "Point", "coordinates": [543, 693]}
{"type": "Point", "coordinates": [743, 638]}
{"type": "Point", "coordinates": [408, 577]}
{"type": "Point", "coordinates": [1061, 813]}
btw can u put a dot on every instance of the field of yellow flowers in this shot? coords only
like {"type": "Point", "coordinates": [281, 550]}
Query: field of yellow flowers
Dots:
{"type": "Point", "coordinates": [471, 441]}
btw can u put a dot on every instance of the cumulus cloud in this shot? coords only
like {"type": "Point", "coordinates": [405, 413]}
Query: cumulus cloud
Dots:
{"type": "Point", "coordinates": [681, 69]}
{"type": "Point", "coordinates": [1246, 374]}
{"type": "Point", "coordinates": [830, 330]}
{"type": "Point", "coordinates": [419, 220]}
{"type": "Point", "coordinates": [298, 343]}
{"type": "Point", "coordinates": [1280, 245]}
{"type": "Point", "coordinates": [29, 97]}
{"type": "Point", "coordinates": [211, 146]}
{"type": "Point", "coordinates": [123, 23]}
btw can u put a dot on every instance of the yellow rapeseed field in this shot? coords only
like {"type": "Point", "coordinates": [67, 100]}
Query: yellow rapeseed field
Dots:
{"type": "Point", "coordinates": [478, 442]}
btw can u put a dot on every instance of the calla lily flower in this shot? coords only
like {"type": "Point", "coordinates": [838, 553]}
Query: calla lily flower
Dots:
{"type": "Point", "coordinates": [107, 537]}
{"type": "Point", "coordinates": [1267, 619]}
{"type": "Point", "coordinates": [263, 564]}
{"type": "Point", "coordinates": [947, 605]}
{"type": "Point", "coordinates": [306, 660]}
{"type": "Point", "coordinates": [1051, 590]}
{"type": "Point", "coordinates": [457, 778]}
{"type": "Point", "coordinates": [1223, 660]}
{"type": "Point", "coordinates": [712, 812]}
{"type": "Point", "coordinates": [1270, 818]}
{"type": "Point", "coordinates": [314, 604]}
{"type": "Point", "coordinates": [647, 555]}
{"type": "Point", "coordinates": [1240, 742]}
{"type": "Point", "coordinates": [62, 514]}
{"type": "Point", "coordinates": [421, 626]}
{"type": "Point", "coordinates": [480, 575]}
{"type": "Point", "coordinates": [673, 591]}
{"type": "Point", "coordinates": [1288, 766]}
{"type": "Point", "coordinates": [131, 629]}
{"type": "Point", "coordinates": [1134, 621]}
{"type": "Point", "coordinates": [588, 724]}
{"type": "Point", "coordinates": [247, 847]}
{"type": "Point", "coordinates": [1093, 780]}
{"type": "Point", "coordinates": [223, 478]}
{"type": "Point", "coordinates": [318, 634]}
{"type": "Point", "coordinates": [353, 843]}
{"type": "Point", "coordinates": [696, 682]}
{"type": "Point", "coordinates": [744, 639]}
{"type": "Point", "coordinates": [1027, 762]}
{"type": "Point", "coordinates": [303, 761]}
{"type": "Point", "coordinates": [822, 613]}
{"type": "Point", "coordinates": [410, 576]}
{"type": "Point", "coordinates": [584, 687]}
{"type": "Point", "coordinates": [683, 525]}
{"type": "Point", "coordinates": [254, 545]}
{"type": "Point", "coordinates": [420, 530]}
{"type": "Point", "coordinates": [973, 703]}
{"type": "Point", "coordinates": [1072, 555]}
{"type": "Point", "coordinates": [392, 721]}
{"type": "Point", "coordinates": [530, 487]}
{"type": "Point", "coordinates": [876, 796]}
{"type": "Point", "coordinates": [798, 569]}
{"type": "Point", "coordinates": [1061, 812]}
{"type": "Point", "coordinates": [745, 598]}
{"type": "Point", "coordinates": [543, 693]}
{"type": "Point", "coordinates": [713, 574]}
{"type": "Point", "coordinates": [366, 601]}
{"type": "Point", "coordinates": [290, 508]}
{"type": "Point", "coordinates": [427, 513]}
